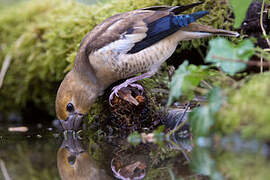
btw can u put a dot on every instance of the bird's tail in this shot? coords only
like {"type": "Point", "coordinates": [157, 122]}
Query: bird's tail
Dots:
{"type": "Point", "coordinates": [196, 30]}
{"type": "Point", "coordinates": [185, 20]}
{"type": "Point", "coordinates": [186, 23]}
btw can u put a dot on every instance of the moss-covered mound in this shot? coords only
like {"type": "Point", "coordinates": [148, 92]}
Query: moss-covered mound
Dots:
{"type": "Point", "coordinates": [42, 37]}
{"type": "Point", "coordinates": [247, 110]}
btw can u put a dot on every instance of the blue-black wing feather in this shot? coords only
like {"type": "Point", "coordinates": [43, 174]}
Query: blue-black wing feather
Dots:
{"type": "Point", "coordinates": [163, 28]}
{"type": "Point", "coordinates": [157, 31]}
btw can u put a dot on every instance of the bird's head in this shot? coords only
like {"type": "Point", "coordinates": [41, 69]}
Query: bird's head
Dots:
{"type": "Point", "coordinates": [74, 99]}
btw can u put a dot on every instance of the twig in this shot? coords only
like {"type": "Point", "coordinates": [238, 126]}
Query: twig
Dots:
{"type": "Point", "coordinates": [8, 57]}
{"type": "Point", "coordinates": [4, 68]}
{"type": "Point", "coordinates": [261, 24]}
{"type": "Point", "coordinates": [261, 66]}
{"type": "Point", "coordinates": [267, 49]}
{"type": "Point", "coordinates": [184, 152]}
{"type": "Point", "coordinates": [179, 125]}
{"type": "Point", "coordinates": [207, 84]}
{"type": "Point", "coordinates": [4, 170]}
{"type": "Point", "coordinates": [249, 63]}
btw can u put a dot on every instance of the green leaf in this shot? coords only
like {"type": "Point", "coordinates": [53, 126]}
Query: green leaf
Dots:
{"type": "Point", "coordinates": [202, 163]}
{"type": "Point", "coordinates": [177, 81]}
{"type": "Point", "coordinates": [240, 8]}
{"type": "Point", "coordinates": [222, 52]}
{"type": "Point", "coordinates": [215, 99]}
{"type": "Point", "coordinates": [185, 79]}
{"type": "Point", "coordinates": [201, 120]}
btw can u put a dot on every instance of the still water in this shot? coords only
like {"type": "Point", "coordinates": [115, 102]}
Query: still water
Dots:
{"type": "Point", "coordinates": [46, 153]}
{"type": "Point", "coordinates": [43, 153]}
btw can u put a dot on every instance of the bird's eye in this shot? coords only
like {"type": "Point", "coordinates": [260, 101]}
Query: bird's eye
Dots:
{"type": "Point", "coordinates": [70, 107]}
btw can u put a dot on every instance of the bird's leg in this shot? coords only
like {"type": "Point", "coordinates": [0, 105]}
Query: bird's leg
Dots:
{"type": "Point", "coordinates": [130, 82]}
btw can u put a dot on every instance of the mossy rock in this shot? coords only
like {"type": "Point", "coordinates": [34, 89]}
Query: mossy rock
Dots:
{"type": "Point", "coordinates": [247, 109]}
{"type": "Point", "coordinates": [43, 36]}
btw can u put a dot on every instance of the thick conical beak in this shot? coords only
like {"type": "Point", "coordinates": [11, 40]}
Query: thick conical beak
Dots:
{"type": "Point", "coordinates": [194, 30]}
{"type": "Point", "coordinates": [73, 121]}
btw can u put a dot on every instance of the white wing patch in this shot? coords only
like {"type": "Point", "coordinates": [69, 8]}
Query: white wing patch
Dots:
{"type": "Point", "coordinates": [126, 41]}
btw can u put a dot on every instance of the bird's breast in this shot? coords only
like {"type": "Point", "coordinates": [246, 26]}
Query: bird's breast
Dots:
{"type": "Point", "coordinates": [111, 67]}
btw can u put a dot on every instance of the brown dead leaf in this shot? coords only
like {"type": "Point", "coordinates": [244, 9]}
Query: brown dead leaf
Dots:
{"type": "Point", "coordinates": [125, 94]}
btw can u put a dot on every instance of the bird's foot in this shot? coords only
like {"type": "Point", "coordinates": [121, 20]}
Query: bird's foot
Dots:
{"type": "Point", "coordinates": [138, 86]}
{"type": "Point", "coordinates": [119, 88]}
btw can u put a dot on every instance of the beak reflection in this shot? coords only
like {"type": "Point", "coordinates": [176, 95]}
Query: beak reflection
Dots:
{"type": "Point", "coordinates": [73, 121]}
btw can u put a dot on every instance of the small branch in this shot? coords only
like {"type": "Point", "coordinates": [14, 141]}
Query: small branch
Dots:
{"type": "Point", "coordinates": [207, 84]}
{"type": "Point", "coordinates": [264, 53]}
{"type": "Point", "coordinates": [261, 66]}
{"type": "Point", "coordinates": [8, 57]}
{"type": "Point", "coordinates": [4, 170]}
{"type": "Point", "coordinates": [180, 124]}
{"type": "Point", "coordinates": [261, 24]}
{"type": "Point", "coordinates": [267, 50]}
{"type": "Point", "coordinates": [4, 68]}
{"type": "Point", "coordinates": [249, 63]}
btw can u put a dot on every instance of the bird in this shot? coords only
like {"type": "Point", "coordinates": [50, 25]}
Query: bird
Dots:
{"type": "Point", "coordinates": [75, 163]}
{"type": "Point", "coordinates": [120, 47]}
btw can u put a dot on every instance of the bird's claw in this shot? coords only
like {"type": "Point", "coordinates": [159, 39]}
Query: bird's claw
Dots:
{"type": "Point", "coordinates": [118, 88]}
{"type": "Point", "coordinates": [115, 92]}
{"type": "Point", "coordinates": [138, 86]}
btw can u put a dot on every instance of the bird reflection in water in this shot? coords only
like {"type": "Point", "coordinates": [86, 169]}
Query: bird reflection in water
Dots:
{"type": "Point", "coordinates": [131, 163]}
{"type": "Point", "coordinates": [75, 163]}
{"type": "Point", "coordinates": [126, 161]}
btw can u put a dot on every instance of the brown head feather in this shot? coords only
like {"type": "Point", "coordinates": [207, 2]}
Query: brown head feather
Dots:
{"type": "Point", "coordinates": [77, 91]}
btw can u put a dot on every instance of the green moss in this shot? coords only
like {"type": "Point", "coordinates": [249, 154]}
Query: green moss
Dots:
{"type": "Point", "coordinates": [96, 110]}
{"type": "Point", "coordinates": [95, 150]}
{"type": "Point", "coordinates": [247, 109]}
{"type": "Point", "coordinates": [243, 166]}
{"type": "Point", "coordinates": [43, 37]}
